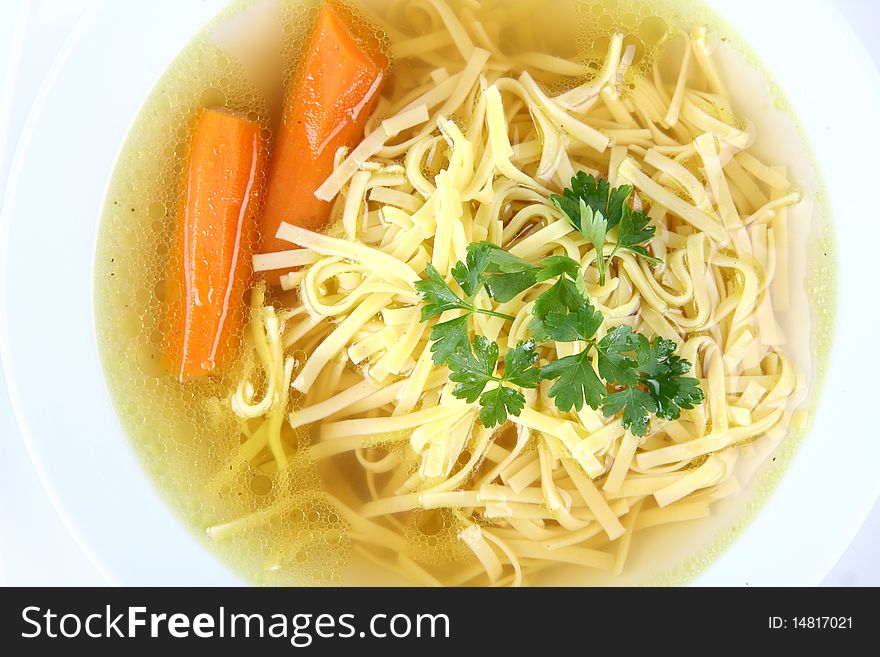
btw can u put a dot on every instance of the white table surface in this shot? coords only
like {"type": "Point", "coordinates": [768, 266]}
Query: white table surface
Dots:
{"type": "Point", "coordinates": [35, 547]}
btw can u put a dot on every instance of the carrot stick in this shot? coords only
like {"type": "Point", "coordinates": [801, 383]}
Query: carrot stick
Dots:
{"type": "Point", "coordinates": [341, 74]}
{"type": "Point", "coordinates": [211, 268]}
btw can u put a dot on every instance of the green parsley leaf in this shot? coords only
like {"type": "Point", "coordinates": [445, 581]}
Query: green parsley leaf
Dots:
{"type": "Point", "coordinates": [594, 208]}
{"type": "Point", "coordinates": [581, 324]}
{"type": "Point", "coordinates": [595, 227]}
{"type": "Point", "coordinates": [504, 261]}
{"type": "Point", "coordinates": [473, 368]}
{"type": "Point", "coordinates": [637, 408]}
{"type": "Point", "coordinates": [617, 205]}
{"type": "Point", "coordinates": [561, 296]}
{"type": "Point", "coordinates": [554, 266]}
{"type": "Point", "coordinates": [661, 374]}
{"type": "Point", "coordinates": [448, 338]}
{"type": "Point", "coordinates": [558, 300]}
{"type": "Point", "coordinates": [652, 378]}
{"type": "Point", "coordinates": [578, 382]}
{"type": "Point", "coordinates": [615, 363]}
{"type": "Point", "coordinates": [518, 364]}
{"type": "Point", "coordinates": [673, 393]}
{"type": "Point", "coordinates": [563, 314]}
{"type": "Point", "coordinates": [497, 404]}
{"type": "Point", "coordinates": [506, 274]}
{"type": "Point", "coordinates": [437, 295]}
{"type": "Point", "coordinates": [597, 195]}
{"type": "Point", "coordinates": [469, 274]}
{"type": "Point", "coordinates": [633, 232]}
{"type": "Point", "coordinates": [504, 287]}
{"type": "Point", "coordinates": [657, 358]}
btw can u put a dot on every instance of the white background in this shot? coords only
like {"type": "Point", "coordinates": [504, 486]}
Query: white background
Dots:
{"type": "Point", "coordinates": [35, 548]}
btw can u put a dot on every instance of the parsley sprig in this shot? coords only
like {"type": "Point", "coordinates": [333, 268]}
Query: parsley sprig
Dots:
{"type": "Point", "coordinates": [439, 297]}
{"type": "Point", "coordinates": [473, 368]}
{"type": "Point", "coordinates": [623, 372]}
{"type": "Point", "coordinates": [595, 209]}
{"type": "Point", "coordinates": [647, 378]}
{"type": "Point", "coordinates": [486, 266]}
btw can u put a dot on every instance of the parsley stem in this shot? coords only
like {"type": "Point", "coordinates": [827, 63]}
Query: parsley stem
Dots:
{"type": "Point", "coordinates": [493, 313]}
{"type": "Point", "coordinates": [613, 252]}
{"type": "Point", "coordinates": [606, 263]}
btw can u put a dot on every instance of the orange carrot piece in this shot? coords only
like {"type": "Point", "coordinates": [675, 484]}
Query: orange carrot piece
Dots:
{"type": "Point", "coordinates": [211, 266]}
{"type": "Point", "coordinates": [337, 86]}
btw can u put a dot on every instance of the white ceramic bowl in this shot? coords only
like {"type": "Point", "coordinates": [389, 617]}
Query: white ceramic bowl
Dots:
{"type": "Point", "coordinates": [47, 340]}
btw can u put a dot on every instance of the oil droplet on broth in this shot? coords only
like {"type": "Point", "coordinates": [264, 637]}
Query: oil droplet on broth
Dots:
{"type": "Point", "coordinates": [160, 290]}
{"type": "Point", "coordinates": [261, 484]}
{"type": "Point", "coordinates": [212, 98]}
{"type": "Point", "coordinates": [157, 210]}
{"type": "Point", "coordinates": [653, 30]}
{"type": "Point", "coordinates": [628, 20]}
{"type": "Point", "coordinates": [429, 522]}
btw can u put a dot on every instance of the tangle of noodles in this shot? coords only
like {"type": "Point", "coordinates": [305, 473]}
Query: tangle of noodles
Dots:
{"type": "Point", "coordinates": [469, 147]}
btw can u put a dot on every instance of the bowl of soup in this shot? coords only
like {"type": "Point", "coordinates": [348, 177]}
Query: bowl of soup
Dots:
{"type": "Point", "coordinates": [448, 293]}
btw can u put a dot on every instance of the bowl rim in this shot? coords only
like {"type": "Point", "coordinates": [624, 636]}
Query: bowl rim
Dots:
{"type": "Point", "coordinates": [83, 430]}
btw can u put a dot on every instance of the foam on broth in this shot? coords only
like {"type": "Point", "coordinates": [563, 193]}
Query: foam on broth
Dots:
{"type": "Point", "coordinates": [186, 433]}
